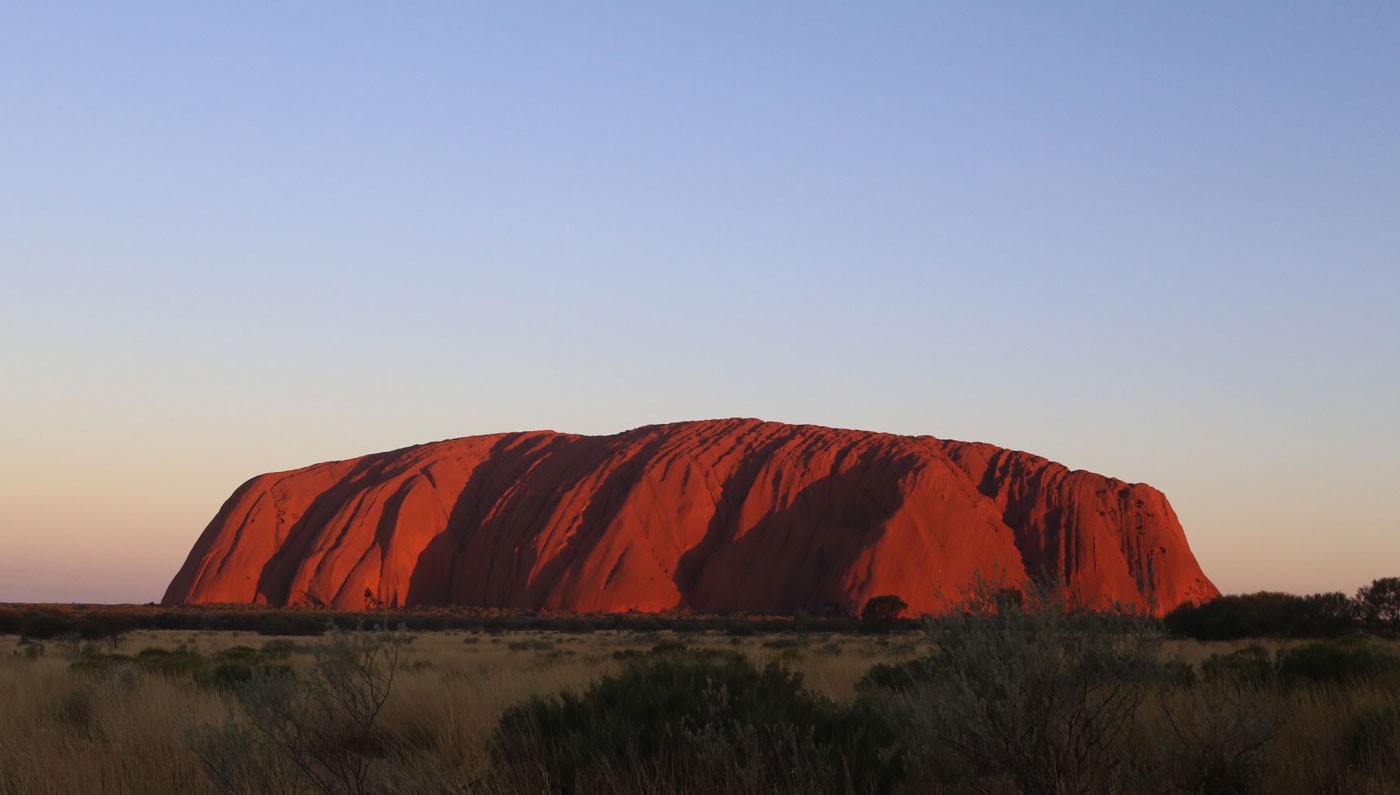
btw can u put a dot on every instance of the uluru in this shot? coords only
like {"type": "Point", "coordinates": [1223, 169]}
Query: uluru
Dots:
{"type": "Point", "coordinates": [718, 516]}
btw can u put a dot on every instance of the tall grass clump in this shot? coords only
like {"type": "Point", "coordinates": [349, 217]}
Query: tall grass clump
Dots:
{"type": "Point", "coordinates": [1213, 738]}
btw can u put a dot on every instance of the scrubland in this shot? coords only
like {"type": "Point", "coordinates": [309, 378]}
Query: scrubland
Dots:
{"type": "Point", "coordinates": [978, 705]}
{"type": "Point", "coordinates": [127, 730]}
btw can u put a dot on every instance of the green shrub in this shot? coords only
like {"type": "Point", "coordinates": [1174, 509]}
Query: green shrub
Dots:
{"type": "Point", "coordinates": [180, 662]}
{"type": "Point", "coordinates": [1250, 665]}
{"type": "Point", "coordinates": [99, 665]}
{"type": "Point", "coordinates": [698, 721]}
{"type": "Point", "coordinates": [225, 669]}
{"type": "Point", "coordinates": [899, 677]}
{"type": "Point", "coordinates": [230, 668]}
{"type": "Point", "coordinates": [1337, 661]}
{"type": "Point", "coordinates": [668, 647]}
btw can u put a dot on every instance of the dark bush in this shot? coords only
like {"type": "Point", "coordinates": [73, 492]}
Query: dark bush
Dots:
{"type": "Point", "coordinates": [180, 662]}
{"type": "Point", "coordinates": [1334, 661]}
{"type": "Point", "coordinates": [883, 609]}
{"type": "Point", "coordinates": [660, 648]}
{"type": "Point", "coordinates": [1250, 665]}
{"type": "Point", "coordinates": [1264, 614]}
{"type": "Point", "coordinates": [226, 669]}
{"type": "Point", "coordinates": [695, 719]}
{"type": "Point", "coordinates": [668, 647]}
{"type": "Point", "coordinates": [739, 628]}
{"type": "Point", "coordinates": [99, 665]}
{"type": "Point", "coordinates": [45, 625]}
{"type": "Point", "coordinates": [899, 677]}
{"type": "Point", "coordinates": [230, 668]}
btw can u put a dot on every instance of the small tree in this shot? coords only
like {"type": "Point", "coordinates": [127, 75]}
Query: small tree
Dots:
{"type": "Point", "coordinates": [1026, 696]}
{"type": "Point", "coordinates": [372, 602]}
{"type": "Point", "coordinates": [324, 726]}
{"type": "Point", "coordinates": [1379, 605]}
{"type": "Point", "coordinates": [882, 609]}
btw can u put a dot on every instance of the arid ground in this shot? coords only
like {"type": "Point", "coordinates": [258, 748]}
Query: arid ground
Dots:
{"type": "Point", "coordinates": [71, 725]}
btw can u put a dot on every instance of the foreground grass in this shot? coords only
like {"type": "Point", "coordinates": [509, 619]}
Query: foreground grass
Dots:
{"type": "Point", "coordinates": [66, 731]}
{"type": "Point", "coordinates": [127, 729]}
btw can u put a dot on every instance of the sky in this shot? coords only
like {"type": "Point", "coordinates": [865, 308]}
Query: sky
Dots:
{"type": "Point", "coordinates": [1158, 241]}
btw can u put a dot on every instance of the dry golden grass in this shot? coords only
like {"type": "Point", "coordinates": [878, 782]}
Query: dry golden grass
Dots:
{"type": "Point", "coordinates": [70, 732]}
{"type": "Point", "coordinates": [127, 731]}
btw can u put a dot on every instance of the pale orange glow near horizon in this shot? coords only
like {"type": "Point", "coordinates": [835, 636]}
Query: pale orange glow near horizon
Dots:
{"type": "Point", "coordinates": [121, 538]}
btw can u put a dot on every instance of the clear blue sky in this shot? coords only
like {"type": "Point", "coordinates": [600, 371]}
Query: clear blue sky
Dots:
{"type": "Point", "coordinates": [1157, 241]}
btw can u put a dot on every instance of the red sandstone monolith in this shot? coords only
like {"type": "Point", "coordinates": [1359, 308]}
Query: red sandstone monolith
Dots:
{"type": "Point", "coordinates": [716, 516]}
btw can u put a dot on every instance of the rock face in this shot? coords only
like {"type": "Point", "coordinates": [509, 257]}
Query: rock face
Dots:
{"type": "Point", "coordinates": [717, 516]}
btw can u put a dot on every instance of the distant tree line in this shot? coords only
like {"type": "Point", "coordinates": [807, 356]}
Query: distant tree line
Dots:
{"type": "Point", "coordinates": [92, 622]}
{"type": "Point", "coordinates": [1375, 608]}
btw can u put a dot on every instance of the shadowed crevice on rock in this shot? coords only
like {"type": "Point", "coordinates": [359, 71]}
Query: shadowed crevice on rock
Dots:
{"type": "Point", "coordinates": [275, 579]}
{"type": "Point", "coordinates": [1017, 483]}
{"type": "Point", "coordinates": [798, 555]}
{"type": "Point", "coordinates": [725, 522]}
{"type": "Point", "coordinates": [602, 508]}
{"type": "Point", "coordinates": [434, 579]}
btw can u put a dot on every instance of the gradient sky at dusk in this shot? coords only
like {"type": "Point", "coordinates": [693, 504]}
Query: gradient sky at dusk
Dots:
{"type": "Point", "coordinates": [1156, 241]}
